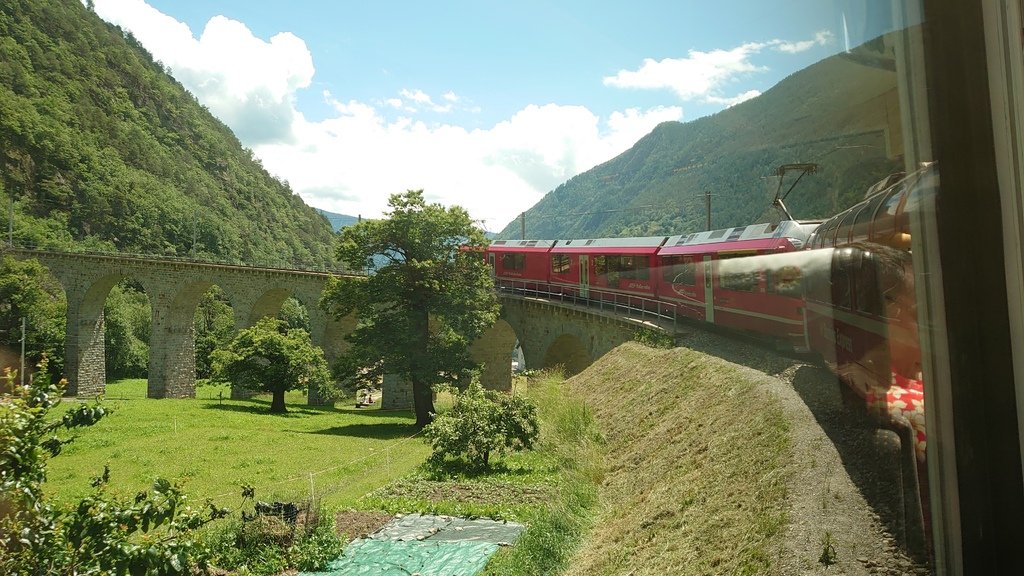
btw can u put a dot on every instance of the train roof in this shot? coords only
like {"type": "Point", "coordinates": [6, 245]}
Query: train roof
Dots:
{"type": "Point", "coordinates": [786, 235]}
{"type": "Point", "coordinates": [760, 245]}
{"type": "Point", "coordinates": [521, 245]}
{"type": "Point", "coordinates": [883, 217]}
{"type": "Point", "coordinates": [808, 261]}
{"type": "Point", "coordinates": [635, 245]}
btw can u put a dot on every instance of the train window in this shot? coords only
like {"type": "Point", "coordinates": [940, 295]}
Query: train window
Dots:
{"type": "Point", "coordinates": [600, 264]}
{"type": "Point", "coordinates": [817, 286]}
{"type": "Point", "coordinates": [560, 263]}
{"type": "Point", "coordinates": [828, 234]}
{"type": "Point", "coordinates": [680, 270]}
{"type": "Point", "coordinates": [641, 270]}
{"type": "Point", "coordinates": [862, 223]}
{"type": "Point", "coordinates": [785, 281]}
{"type": "Point", "coordinates": [885, 221]}
{"type": "Point", "coordinates": [668, 267]}
{"type": "Point", "coordinates": [513, 261]}
{"type": "Point", "coordinates": [842, 292]}
{"type": "Point", "coordinates": [749, 281]}
{"type": "Point", "coordinates": [892, 200]}
{"type": "Point", "coordinates": [625, 266]}
{"type": "Point", "coordinates": [686, 273]}
{"type": "Point", "coordinates": [840, 233]}
{"type": "Point", "coordinates": [869, 294]}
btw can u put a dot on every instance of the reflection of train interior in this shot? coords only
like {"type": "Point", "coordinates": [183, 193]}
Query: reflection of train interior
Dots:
{"type": "Point", "coordinates": [911, 291]}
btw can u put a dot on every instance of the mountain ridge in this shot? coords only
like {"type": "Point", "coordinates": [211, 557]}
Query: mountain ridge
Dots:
{"type": "Point", "coordinates": [841, 112]}
{"type": "Point", "coordinates": [102, 149]}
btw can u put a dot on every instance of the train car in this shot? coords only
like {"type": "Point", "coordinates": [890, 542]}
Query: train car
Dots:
{"type": "Point", "coordinates": [710, 277]}
{"type": "Point", "coordinates": [520, 263]}
{"type": "Point", "coordinates": [881, 218]}
{"type": "Point", "coordinates": [606, 268]}
{"type": "Point", "coordinates": [862, 320]}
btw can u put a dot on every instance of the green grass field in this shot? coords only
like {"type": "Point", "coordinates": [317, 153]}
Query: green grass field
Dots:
{"type": "Point", "coordinates": [213, 445]}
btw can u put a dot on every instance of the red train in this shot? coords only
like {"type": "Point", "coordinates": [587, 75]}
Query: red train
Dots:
{"type": "Point", "coordinates": [706, 276]}
{"type": "Point", "coordinates": [838, 287]}
{"type": "Point", "coordinates": [841, 288]}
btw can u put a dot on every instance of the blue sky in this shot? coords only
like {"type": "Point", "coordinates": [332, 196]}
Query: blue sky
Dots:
{"type": "Point", "coordinates": [484, 104]}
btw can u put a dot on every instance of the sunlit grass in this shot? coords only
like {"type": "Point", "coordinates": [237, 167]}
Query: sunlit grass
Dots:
{"type": "Point", "coordinates": [550, 489]}
{"type": "Point", "coordinates": [212, 445]}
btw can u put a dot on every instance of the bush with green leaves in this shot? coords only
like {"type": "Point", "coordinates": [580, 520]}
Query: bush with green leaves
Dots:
{"type": "Point", "coordinates": [271, 357]}
{"type": "Point", "coordinates": [264, 545]}
{"type": "Point", "coordinates": [481, 423]}
{"type": "Point", "coordinates": [151, 533]}
{"type": "Point", "coordinates": [654, 338]}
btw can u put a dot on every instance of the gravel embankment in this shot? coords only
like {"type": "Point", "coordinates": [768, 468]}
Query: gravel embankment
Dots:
{"type": "Point", "coordinates": [842, 495]}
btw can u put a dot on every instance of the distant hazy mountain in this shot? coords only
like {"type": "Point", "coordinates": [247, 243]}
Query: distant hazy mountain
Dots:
{"type": "Point", "coordinates": [841, 113]}
{"type": "Point", "coordinates": [338, 221]}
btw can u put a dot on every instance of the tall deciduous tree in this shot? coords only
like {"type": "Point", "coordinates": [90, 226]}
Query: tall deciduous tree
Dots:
{"type": "Point", "coordinates": [429, 297]}
{"type": "Point", "coordinates": [29, 292]}
{"type": "Point", "coordinates": [270, 357]}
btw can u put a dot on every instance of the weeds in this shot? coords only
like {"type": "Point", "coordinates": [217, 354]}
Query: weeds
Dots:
{"type": "Point", "coordinates": [828, 550]}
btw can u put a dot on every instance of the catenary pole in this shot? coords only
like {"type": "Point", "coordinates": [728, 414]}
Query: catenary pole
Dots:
{"type": "Point", "coordinates": [23, 351]}
{"type": "Point", "coordinates": [707, 206]}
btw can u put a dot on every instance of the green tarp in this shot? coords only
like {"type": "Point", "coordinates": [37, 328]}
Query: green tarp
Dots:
{"type": "Point", "coordinates": [450, 528]}
{"type": "Point", "coordinates": [424, 545]}
{"type": "Point", "coordinates": [398, 558]}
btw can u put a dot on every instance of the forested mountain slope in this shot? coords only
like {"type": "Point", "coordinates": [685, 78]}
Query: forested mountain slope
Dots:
{"type": "Point", "coordinates": [101, 149]}
{"type": "Point", "coordinates": [841, 113]}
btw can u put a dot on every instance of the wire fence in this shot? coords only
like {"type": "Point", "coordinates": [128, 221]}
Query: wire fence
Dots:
{"type": "Point", "coordinates": [313, 486]}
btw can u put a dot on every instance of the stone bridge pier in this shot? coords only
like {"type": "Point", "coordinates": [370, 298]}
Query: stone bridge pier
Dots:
{"type": "Point", "coordinates": [550, 334]}
{"type": "Point", "coordinates": [174, 289]}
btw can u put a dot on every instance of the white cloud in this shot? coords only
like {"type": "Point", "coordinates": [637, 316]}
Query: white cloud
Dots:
{"type": "Point", "coordinates": [822, 38]}
{"type": "Point", "coordinates": [353, 160]}
{"type": "Point", "coordinates": [351, 163]}
{"type": "Point", "coordinates": [730, 102]}
{"type": "Point", "coordinates": [703, 76]}
{"type": "Point", "coordinates": [247, 82]}
{"type": "Point", "coordinates": [422, 98]}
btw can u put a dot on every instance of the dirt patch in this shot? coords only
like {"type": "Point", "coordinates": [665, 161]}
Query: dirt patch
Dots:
{"type": "Point", "coordinates": [466, 492]}
{"type": "Point", "coordinates": [353, 524]}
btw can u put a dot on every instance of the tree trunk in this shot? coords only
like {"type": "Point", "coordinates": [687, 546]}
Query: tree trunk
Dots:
{"type": "Point", "coordinates": [277, 404]}
{"type": "Point", "coordinates": [423, 401]}
{"type": "Point", "coordinates": [422, 393]}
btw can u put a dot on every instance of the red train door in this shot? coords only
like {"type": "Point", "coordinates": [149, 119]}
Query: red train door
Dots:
{"type": "Point", "coordinates": [584, 275]}
{"type": "Point", "coordinates": [709, 293]}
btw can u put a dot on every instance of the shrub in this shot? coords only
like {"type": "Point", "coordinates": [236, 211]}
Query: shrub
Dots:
{"type": "Point", "coordinates": [482, 422]}
{"type": "Point", "coordinates": [653, 338]}
{"type": "Point", "coordinates": [266, 544]}
{"type": "Point", "coordinates": [148, 534]}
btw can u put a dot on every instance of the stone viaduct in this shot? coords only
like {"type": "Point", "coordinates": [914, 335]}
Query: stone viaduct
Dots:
{"type": "Point", "coordinates": [550, 333]}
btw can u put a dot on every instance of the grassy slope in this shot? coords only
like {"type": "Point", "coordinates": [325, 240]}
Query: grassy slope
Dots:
{"type": "Point", "coordinates": [214, 447]}
{"type": "Point", "coordinates": [694, 461]}
{"type": "Point", "coordinates": [689, 465]}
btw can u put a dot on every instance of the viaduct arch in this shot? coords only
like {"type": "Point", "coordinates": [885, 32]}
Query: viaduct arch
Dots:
{"type": "Point", "coordinates": [174, 288]}
{"type": "Point", "coordinates": [550, 333]}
